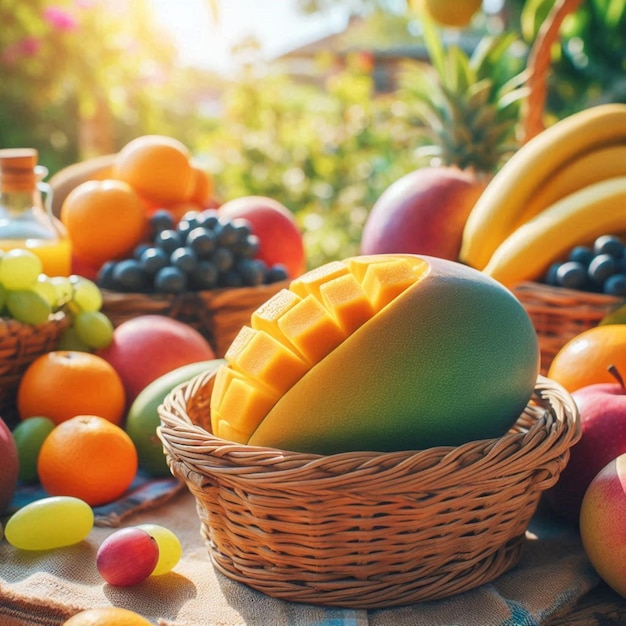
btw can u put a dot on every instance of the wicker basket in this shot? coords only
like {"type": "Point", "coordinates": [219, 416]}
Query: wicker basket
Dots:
{"type": "Point", "coordinates": [367, 530]}
{"type": "Point", "coordinates": [560, 314]}
{"type": "Point", "coordinates": [20, 345]}
{"type": "Point", "coordinates": [218, 314]}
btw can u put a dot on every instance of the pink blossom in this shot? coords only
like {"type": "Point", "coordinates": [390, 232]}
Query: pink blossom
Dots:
{"type": "Point", "coordinates": [59, 18]}
{"type": "Point", "coordinates": [27, 47]}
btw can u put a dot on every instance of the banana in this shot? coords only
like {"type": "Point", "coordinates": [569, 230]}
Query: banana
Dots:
{"type": "Point", "coordinates": [497, 211]}
{"type": "Point", "coordinates": [592, 167]}
{"type": "Point", "coordinates": [597, 209]}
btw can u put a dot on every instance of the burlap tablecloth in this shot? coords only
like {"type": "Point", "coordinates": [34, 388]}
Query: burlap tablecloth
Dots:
{"type": "Point", "coordinates": [47, 587]}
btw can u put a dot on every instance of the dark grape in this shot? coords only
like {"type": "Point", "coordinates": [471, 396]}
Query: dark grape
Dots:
{"type": "Point", "coordinates": [104, 279]}
{"type": "Point", "coordinates": [252, 272]}
{"type": "Point", "coordinates": [168, 240]}
{"type": "Point", "coordinates": [223, 258]}
{"type": "Point", "coordinates": [572, 275]}
{"type": "Point", "coordinates": [209, 218]}
{"type": "Point", "coordinates": [204, 275]}
{"type": "Point", "coordinates": [550, 275]}
{"type": "Point", "coordinates": [247, 248]}
{"type": "Point", "coordinates": [601, 267]}
{"type": "Point", "coordinates": [615, 285]}
{"type": "Point", "coordinates": [184, 259]}
{"type": "Point", "coordinates": [153, 259]}
{"type": "Point", "coordinates": [276, 273]}
{"type": "Point", "coordinates": [226, 233]}
{"type": "Point", "coordinates": [202, 241]}
{"type": "Point", "coordinates": [609, 244]}
{"type": "Point", "coordinates": [139, 250]}
{"type": "Point", "coordinates": [230, 278]}
{"type": "Point", "coordinates": [170, 280]}
{"type": "Point", "coordinates": [160, 220]}
{"type": "Point", "coordinates": [129, 276]}
{"type": "Point", "coordinates": [581, 254]}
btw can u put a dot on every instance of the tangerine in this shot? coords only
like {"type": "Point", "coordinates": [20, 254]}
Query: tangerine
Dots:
{"type": "Point", "coordinates": [203, 186]}
{"type": "Point", "coordinates": [105, 220]}
{"type": "Point", "coordinates": [107, 616]}
{"type": "Point", "coordinates": [585, 359]}
{"type": "Point", "coordinates": [64, 383]}
{"type": "Point", "coordinates": [157, 167]}
{"type": "Point", "coordinates": [87, 457]}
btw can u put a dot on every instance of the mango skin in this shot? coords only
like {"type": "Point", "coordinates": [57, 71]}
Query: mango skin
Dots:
{"type": "Point", "coordinates": [454, 358]}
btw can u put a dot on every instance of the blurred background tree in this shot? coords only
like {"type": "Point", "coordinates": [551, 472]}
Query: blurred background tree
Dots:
{"type": "Point", "coordinates": [81, 78]}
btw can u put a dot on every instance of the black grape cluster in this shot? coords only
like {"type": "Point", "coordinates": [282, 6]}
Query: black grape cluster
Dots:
{"type": "Point", "coordinates": [600, 267]}
{"type": "Point", "coordinates": [203, 251]}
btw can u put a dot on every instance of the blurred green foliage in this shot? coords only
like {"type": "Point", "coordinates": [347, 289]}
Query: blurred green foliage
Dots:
{"type": "Point", "coordinates": [325, 149]}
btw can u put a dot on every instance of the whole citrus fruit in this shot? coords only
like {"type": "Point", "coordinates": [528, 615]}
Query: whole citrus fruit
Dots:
{"type": "Point", "coordinates": [157, 167]}
{"type": "Point", "coordinates": [64, 383]}
{"type": "Point", "coordinates": [107, 616]}
{"type": "Point", "coordinates": [105, 220]}
{"type": "Point", "coordinates": [585, 359]}
{"type": "Point", "coordinates": [89, 458]}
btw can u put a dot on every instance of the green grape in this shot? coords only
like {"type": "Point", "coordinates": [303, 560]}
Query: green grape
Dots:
{"type": "Point", "coordinates": [94, 328]}
{"type": "Point", "coordinates": [28, 307]}
{"type": "Point", "coordinates": [64, 287]}
{"type": "Point", "coordinates": [87, 295]}
{"type": "Point", "coordinates": [46, 289]}
{"type": "Point", "coordinates": [3, 297]}
{"type": "Point", "coordinates": [19, 269]}
{"type": "Point", "coordinates": [69, 340]}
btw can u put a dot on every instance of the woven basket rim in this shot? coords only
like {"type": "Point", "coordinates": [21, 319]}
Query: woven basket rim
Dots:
{"type": "Point", "coordinates": [539, 430]}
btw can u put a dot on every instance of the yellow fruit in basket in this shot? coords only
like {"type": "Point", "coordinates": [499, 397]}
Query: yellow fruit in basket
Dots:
{"type": "Point", "coordinates": [382, 352]}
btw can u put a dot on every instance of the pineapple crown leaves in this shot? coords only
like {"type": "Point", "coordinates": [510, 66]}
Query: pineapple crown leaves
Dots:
{"type": "Point", "coordinates": [467, 105]}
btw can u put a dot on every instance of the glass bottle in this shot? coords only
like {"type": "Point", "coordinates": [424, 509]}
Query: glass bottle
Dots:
{"type": "Point", "coordinates": [26, 219]}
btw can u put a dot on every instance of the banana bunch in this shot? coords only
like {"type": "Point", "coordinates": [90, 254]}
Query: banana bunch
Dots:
{"type": "Point", "coordinates": [562, 188]}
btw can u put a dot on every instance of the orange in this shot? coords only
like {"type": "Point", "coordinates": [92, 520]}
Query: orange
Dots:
{"type": "Point", "coordinates": [585, 359]}
{"type": "Point", "coordinates": [105, 220]}
{"type": "Point", "coordinates": [157, 167]}
{"type": "Point", "coordinates": [107, 616]}
{"type": "Point", "coordinates": [64, 383]}
{"type": "Point", "coordinates": [203, 186]}
{"type": "Point", "coordinates": [87, 457]}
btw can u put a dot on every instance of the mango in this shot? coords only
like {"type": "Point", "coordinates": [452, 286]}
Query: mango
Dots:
{"type": "Point", "coordinates": [380, 352]}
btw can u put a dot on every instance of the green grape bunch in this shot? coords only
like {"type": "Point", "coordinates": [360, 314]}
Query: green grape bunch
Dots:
{"type": "Point", "coordinates": [29, 296]}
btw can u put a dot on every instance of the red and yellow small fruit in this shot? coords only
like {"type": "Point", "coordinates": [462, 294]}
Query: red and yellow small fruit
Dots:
{"type": "Point", "coordinates": [453, 13]}
{"type": "Point", "coordinates": [603, 524]}
{"type": "Point", "coordinates": [9, 466]}
{"type": "Point", "coordinates": [382, 352]}
{"type": "Point", "coordinates": [107, 616]}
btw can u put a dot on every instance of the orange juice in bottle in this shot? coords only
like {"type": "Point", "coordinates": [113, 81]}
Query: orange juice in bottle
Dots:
{"type": "Point", "coordinates": [26, 221]}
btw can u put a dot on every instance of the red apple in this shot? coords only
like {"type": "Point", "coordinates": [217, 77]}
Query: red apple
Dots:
{"type": "Point", "coordinates": [602, 408]}
{"type": "Point", "coordinates": [149, 346]}
{"type": "Point", "coordinates": [9, 466]}
{"type": "Point", "coordinates": [603, 524]}
{"type": "Point", "coordinates": [280, 239]}
{"type": "Point", "coordinates": [424, 212]}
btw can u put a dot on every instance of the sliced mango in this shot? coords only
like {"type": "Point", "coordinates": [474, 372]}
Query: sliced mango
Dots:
{"type": "Point", "coordinates": [296, 329]}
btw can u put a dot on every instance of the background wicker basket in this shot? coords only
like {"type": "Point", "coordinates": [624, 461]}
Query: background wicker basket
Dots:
{"type": "Point", "coordinates": [218, 314]}
{"type": "Point", "coordinates": [558, 314]}
{"type": "Point", "coordinates": [367, 529]}
{"type": "Point", "coordinates": [20, 345]}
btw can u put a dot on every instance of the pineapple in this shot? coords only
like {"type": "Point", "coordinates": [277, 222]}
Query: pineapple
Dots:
{"type": "Point", "coordinates": [467, 106]}
{"type": "Point", "coordinates": [466, 110]}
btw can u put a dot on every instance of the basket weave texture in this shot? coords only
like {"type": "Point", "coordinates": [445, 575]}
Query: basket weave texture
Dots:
{"type": "Point", "coordinates": [559, 314]}
{"type": "Point", "coordinates": [217, 314]}
{"type": "Point", "coordinates": [20, 345]}
{"type": "Point", "coordinates": [367, 529]}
